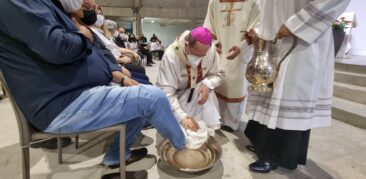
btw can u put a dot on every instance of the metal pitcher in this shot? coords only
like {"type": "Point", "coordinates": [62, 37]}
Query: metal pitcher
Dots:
{"type": "Point", "coordinates": [262, 70]}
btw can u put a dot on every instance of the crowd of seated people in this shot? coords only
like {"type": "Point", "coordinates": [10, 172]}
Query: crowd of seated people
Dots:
{"type": "Point", "coordinates": [146, 50]}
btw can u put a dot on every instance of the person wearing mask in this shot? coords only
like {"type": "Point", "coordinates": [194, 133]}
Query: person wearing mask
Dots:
{"type": "Point", "coordinates": [66, 88]}
{"type": "Point", "coordinates": [188, 74]}
{"type": "Point", "coordinates": [102, 41]}
{"type": "Point", "coordinates": [120, 37]}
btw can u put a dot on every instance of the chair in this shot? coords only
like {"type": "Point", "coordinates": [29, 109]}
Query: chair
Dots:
{"type": "Point", "coordinates": [29, 135]}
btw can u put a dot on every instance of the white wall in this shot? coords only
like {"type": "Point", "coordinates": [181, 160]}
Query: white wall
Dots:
{"type": "Point", "coordinates": [359, 33]}
{"type": "Point", "coordinates": [167, 34]}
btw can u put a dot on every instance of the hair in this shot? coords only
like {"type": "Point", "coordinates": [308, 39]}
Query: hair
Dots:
{"type": "Point", "coordinates": [191, 41]}
{"type": "Point", "coordinates": [109, 26]}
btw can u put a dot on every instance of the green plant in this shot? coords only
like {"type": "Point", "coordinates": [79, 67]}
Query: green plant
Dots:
{"type": "Point", "coordinates": [339, 25]}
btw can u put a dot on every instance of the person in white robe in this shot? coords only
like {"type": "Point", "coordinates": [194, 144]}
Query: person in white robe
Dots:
{"type": "Point", "coordinates": [302, 93]}
{"type": "Point", "coordinates": [188, 74]}
{"type": "Point", "coordinates": [228, 20]}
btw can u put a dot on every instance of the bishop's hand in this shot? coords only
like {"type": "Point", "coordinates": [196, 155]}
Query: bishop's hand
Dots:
{"type": "Point", "coordinates": [189, 123]}
{"type": "Point", "coordinates": [203, 92]}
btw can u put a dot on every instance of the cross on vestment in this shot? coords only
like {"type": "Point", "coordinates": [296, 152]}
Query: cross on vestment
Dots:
{"type": "Point", "coordinates": [229, 11]}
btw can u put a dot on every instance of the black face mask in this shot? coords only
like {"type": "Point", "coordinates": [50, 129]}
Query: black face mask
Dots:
{"type": "Point", "coordinates": [90, 17]}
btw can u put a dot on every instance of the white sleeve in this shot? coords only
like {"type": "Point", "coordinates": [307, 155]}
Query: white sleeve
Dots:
{"type": "Point", "coordinates": [167, 81]}
{"type": "Point", "coordinates": [315, 18]}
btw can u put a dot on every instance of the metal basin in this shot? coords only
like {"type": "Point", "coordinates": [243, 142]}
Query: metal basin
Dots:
{"type": "Point", "coordinates": [191, 160]}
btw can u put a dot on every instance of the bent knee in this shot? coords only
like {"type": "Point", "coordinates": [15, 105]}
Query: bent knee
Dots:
{"type": "Point", "coordinates": [152, 92]}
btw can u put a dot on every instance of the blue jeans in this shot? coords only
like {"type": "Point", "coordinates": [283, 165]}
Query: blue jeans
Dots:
{"type": "Point", "coordinates": [104, 106]}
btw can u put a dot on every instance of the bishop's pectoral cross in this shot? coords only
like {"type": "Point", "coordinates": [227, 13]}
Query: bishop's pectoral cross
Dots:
{"type": "Point", "coordinates": [229, 11]}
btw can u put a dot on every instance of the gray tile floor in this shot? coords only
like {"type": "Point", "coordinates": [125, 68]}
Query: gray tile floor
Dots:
{"type": "Point", "coordinates": [335, 152]}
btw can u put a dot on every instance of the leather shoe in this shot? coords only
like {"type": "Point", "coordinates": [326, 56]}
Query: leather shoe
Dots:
{"type": "Point", "coordinates": [142, 174]}
{"type": "Point", "coordinates": [227, 128]}
{"type": "Point", "coordinates": [147, 126]}
{"type": "Point", "coordinates": [136, 155]}
{"type": "Point", "coordinates": [250, 148]}
{"type": "Point", "coordinates": [262, 166]}
{"type": "Point", "coordinates": [52, 143]}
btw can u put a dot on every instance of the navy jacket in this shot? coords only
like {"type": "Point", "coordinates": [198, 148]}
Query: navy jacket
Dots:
{"type": "Point", "coordinates": [45, 61]}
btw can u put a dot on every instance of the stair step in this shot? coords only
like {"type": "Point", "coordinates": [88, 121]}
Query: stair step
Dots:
{"type": "Point", "coordinates": [351, 68]}
{"type": "Point", "coordinates": [349, 112]}
{"type": "Point", "coordinates": [350, 78]}
{"type": "Point", "coordinates": [350, 92]}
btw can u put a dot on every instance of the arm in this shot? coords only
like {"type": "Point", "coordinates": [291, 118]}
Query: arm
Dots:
{"type": "Point", "coordinates": [168, 82]}
{"type": "Point", "coordinates": [315, 18]}
{"type": "Point", "coordinates": [215, 75]}
{"type": "Point", "coordinates": [123, 79]}
{"type": "Point", "coordinates": [253, 20]}
{"type": "Point", "coordinates": [38, 29]}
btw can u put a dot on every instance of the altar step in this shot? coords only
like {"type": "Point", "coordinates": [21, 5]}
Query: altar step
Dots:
{"type": "Point", "coordinates": [349, 102]}
{"type": "Point", "coordinates": [349, 112]}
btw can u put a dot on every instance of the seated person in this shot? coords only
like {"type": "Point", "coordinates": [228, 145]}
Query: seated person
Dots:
{"type": "Point", "coordinates": [66, 88]}
{"type": "Point", "coordinates": [111, 27]}
{"type": "Point", "coordinates": [102, 41]}
{"type": "Point", "coordinates": [188, 74]}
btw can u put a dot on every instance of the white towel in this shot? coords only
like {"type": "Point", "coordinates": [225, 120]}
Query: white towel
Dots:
{"type": "Point", "coordinates": [195, 139]}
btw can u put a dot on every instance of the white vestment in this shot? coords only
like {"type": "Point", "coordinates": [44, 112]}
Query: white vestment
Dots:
{"type": "Point", "coordinates": [228, 20]}
{"type": "Point", "coordinates": [302, 93]}
{"type": "Point", "coordinates": [177, 77]}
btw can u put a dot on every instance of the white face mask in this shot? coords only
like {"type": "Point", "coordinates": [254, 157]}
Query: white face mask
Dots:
{"type": "Point", "coordinates": [194, 60]}
{"type": "Point", "coordinates": [116, 33]}
{"type": "Point", "coordinates": [71, 6]}
{"type": "Point", "coordinates": [100, 21]}
{"type": "Point", "coordinates": [123, 36]}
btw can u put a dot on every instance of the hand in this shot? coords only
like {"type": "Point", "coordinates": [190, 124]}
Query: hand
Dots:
{"type": "Point", "coordinates": [126, 72]}
{"type": "Point", "coordinates": [137, 56]}
{"type": "Point", "coordinates": [250, 36]}
{"type": "Point", "coordinates": [203, 92]}
{"type": "Point", "coordinates": [124, 60]}
{"type": "Point", "coordinates": [233, 52]}
{"type": "Point", "coordinates": [283, 32]}
{"type": "Point", "coordinates": [189, 123]}
{"type": "Point", "coordinates": [219, 48]}
{"type": "Point", "coordinates": [129, 82]}
{"type": "Point", "coordinates": [82, 29]}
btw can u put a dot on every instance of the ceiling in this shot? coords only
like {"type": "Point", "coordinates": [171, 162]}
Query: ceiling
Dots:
{"type": "Point", "coordinates": [170, 9]}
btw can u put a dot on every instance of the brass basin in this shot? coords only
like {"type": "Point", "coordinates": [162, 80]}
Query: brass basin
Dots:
{"type": "Point", "coordinates": [191, 160]}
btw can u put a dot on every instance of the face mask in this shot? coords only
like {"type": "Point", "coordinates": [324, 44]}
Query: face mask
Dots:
{"type": "Point", "coordinates": [71, 5]}
{"type": "Point", "coordinates": [193, 60]}
{"type": "Point", "coordinates": [100, 21]}
{"type": "Point", "coordinates": [123, 36]}
{"type": "Point", "coordinates": [116, 33]}
{"type": "Point", "coordinates": [90, 17]}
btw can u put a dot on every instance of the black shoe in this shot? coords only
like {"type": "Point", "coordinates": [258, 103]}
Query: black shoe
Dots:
{"type": "Point", "coordinates": [152, 62]}
{"type": "Point", "coordinates": [52, 143]}
{"type": "Point", "coordinates": [136, 155]}
{"type": "Point", "coordinates": [227, 128]}
{"type": "Point", "coordinates": [250, 148]}
{"type": "Point", "coordinates": [147, 126]}
{"type": "Point", "coordinates": [142, 174]}
{"type": "Point", "coordinates": [262, 166]}
{"type": "Point", "coordinates": [149, 65]}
